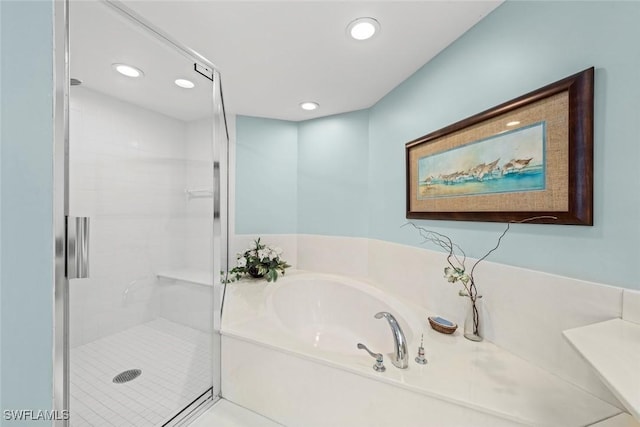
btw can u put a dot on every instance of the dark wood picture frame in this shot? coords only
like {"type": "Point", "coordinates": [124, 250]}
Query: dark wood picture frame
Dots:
{"type": "Point", "coordinates": [574, 168]}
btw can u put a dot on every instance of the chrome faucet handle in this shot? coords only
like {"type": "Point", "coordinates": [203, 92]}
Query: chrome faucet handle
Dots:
{"type": "Point", "coordinates": [379, 366]}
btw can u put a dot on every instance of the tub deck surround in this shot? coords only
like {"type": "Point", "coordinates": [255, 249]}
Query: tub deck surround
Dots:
{"type": "Point", "coordinates": [613, 349]}
{"type": "Point", "coordinates": [480, 377]}
{"type": "Point", "coordinates": [622, 420]}
{"type": "Point", "coordinates": [515, 299]}
{"type": "Point", "coordinates": [631, 306]}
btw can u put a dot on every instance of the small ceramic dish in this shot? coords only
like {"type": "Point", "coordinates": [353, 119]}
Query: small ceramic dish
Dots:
{"type": "Point", "coordinates": [442, 325]}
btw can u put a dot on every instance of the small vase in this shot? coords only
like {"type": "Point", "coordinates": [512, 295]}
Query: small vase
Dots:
{"type": "Point", "coordinates": [253, 272]}
{"type": "Point", "coordinates": [472, 322]}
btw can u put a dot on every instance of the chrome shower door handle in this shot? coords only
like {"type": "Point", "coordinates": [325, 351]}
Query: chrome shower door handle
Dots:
{"type": "Point", "coordinates": [77, 247]}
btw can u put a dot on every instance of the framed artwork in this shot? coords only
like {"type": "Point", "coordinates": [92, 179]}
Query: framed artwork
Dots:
{"type": "Point", "coordinates": [529, 157]}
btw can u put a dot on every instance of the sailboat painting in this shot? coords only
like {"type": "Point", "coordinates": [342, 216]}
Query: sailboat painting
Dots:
{"type": "Point", "coordinates": [512, 161]}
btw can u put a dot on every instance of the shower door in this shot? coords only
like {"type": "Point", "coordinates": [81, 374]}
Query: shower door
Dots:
{"type": "Point", "coordinates": [144, 126]}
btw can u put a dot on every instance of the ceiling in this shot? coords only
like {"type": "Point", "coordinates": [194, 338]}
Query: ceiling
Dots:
{"type": "Point", "coordinates": [101, 37]}
{"type": "Point", "coordinates": [275, 55]}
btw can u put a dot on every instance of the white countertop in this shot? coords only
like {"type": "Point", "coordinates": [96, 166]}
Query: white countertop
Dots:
{"type": "Point", "coordinates": [481, 375]}
{"type": "Point", "coordinates": [613, 349]}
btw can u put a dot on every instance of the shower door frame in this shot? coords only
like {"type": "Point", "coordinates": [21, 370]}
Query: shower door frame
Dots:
{"type": "Point", "coordinates": [61, 91]}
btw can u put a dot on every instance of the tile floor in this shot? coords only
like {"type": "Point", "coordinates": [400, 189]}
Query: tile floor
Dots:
{"type": "Point", "coordinates": [176, 368]}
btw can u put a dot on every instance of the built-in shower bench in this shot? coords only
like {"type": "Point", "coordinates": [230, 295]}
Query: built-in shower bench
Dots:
{"type": "Point", "coordinates": [188, 275]}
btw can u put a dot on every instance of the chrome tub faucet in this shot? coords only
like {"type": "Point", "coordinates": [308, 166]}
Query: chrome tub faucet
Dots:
{"type": "Point", "coordinates": [379, 366]}
{"type": "Point", "coordinates": [400, 357]}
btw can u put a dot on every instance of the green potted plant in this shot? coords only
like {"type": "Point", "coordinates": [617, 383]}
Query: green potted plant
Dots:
{"type": "Point", "coordinates": [258, 261]}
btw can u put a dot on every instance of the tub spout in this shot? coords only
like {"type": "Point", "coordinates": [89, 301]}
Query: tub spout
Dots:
{"type": "Point", "coordinates": [400, 358]}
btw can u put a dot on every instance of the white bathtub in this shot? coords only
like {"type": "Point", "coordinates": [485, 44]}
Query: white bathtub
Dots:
{"type": "Point", "coordinates": [333, 315]}
{"type": "Point", "coordinates": [289, 352]}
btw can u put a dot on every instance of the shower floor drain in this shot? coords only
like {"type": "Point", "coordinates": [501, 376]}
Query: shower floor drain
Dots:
{"type": "Point", "coordinates": [126, 376]}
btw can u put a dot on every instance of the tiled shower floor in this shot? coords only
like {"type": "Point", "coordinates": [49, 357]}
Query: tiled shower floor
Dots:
{"type": "Point", "coordinates": [176, 368]}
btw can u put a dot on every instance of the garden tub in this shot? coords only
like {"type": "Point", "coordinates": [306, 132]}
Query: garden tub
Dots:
{"type": "Point", "coordinates": [289, 352]}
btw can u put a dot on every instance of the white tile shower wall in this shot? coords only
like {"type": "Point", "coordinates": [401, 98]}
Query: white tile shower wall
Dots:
{"type": "Point", "coordinates": [185, 303]}
{"type": "Point", "coordinates": [127, 172]}
{"type": "Point", "coordinates": [631, 305]}
{"type": "Point", "coordinates": [182, 302]}
{"type": "Point", "coordinates": [199, 210]}
{"type": "Point", "coordinates": [525, 311]}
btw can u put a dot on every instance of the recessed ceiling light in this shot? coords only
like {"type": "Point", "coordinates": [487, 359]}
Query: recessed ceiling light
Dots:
{"type": "Point", "coordinates": [309, 106]}
{"type": "Point", "coordinates": [363, 28]}
{"type": "Point", "coordinates": [128, 70]}
{"type": "Point", "coordinates": [513, 123]}
{"type": "Point", "coordinates": [184, 83]}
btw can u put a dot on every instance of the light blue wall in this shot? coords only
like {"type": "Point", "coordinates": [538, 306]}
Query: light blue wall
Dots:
{"type": "Point", "coordinates": [313, 175]}
{"type": "Point", "coordinates": [520, 47]}
{"type": "Point", "coordinates": [266, 196]}
{"type": "Point", "coordinates": [26, 225]}
{"type": "Point", "coordinates": [332, 175]}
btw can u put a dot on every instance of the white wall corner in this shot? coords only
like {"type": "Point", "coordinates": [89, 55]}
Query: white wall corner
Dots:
{"type": "Point", "coordinates": [333, 254]}
{"type": "Point", "coordinates": [631, 305]}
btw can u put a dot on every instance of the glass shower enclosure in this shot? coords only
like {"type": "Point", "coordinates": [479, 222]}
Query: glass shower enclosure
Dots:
{"type": "Point", "coordinates": [146, 133]}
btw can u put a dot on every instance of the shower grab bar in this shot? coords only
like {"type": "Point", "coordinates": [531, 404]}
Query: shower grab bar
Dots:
{"type": "Point", "coordinates": [78, 247]}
